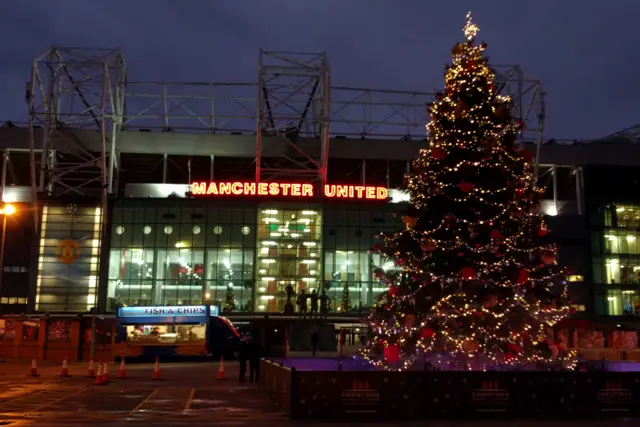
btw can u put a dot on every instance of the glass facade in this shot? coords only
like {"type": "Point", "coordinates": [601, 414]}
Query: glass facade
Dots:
{"type": "Point", "coordinates": [616, 267]}
{"type": "Point", "coordinates": [166, 255]}
{"type": "Point", "coordinates": [348, 235]}
{"type": "Point", "coordinates": [244, 257]}
{"type": "Point", "coordinates": [289, 249]}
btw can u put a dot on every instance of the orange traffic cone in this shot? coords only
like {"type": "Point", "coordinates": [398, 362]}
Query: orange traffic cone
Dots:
{"type": "Point", "coordinates": [156, 370]}
{"type": "Point", "coordinates": [90, 371]}
{"type": "Point", "coordinates": [220, 375]}
{"type": "Point", "coordinates": [64, 371]}
{"type": "Point", "coordinates": [122, 373]}
{"type": "Point", "coordinates": [105, 373]}
{"type": "Point", "coordinates": [99, 375]}
{"type": "Point", "coordinates": [34, 369]}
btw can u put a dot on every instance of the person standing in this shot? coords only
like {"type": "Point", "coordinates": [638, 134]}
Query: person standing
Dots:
{"type": "Point", "coordinates": [243, 355]}
{"type": "Point", "coordinates": [315, 339]}
{"type": "Point", "coordinates": [255, 353]}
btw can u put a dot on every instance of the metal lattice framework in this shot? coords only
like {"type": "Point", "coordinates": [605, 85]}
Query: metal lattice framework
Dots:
{"type": "Point", "coordinates": [293, 102]}
{"type": "Point", "coordinates": [76, 96]}
{"type": "Point", "coordinates": [528, 103]}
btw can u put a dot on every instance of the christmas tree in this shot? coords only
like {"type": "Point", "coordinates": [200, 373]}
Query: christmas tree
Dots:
{"type": "Point", "coordinates": [479, 286]}
{"type": "Point", "coordinates": [229, 300]}
{"type": "Point", "coordinates": [345, 304]}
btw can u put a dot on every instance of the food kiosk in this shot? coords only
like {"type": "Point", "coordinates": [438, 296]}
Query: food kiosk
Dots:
{"type": "Point", "coordinates": [173, 331]}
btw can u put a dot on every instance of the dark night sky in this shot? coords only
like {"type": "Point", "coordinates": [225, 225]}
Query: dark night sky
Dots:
{"type": "Point", "coordinates": [584, 52]}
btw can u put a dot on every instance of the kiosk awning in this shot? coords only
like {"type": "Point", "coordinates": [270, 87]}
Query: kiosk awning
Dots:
{"type": "Point", "coordinates": [165, 315]}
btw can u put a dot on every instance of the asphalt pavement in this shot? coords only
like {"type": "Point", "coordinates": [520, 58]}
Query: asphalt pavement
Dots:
{"type": "Point", "coordinates": [186, 394]}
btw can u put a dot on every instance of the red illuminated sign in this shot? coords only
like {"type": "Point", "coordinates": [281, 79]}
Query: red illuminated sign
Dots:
{"type": "Point", "coordinates": [334, 191]}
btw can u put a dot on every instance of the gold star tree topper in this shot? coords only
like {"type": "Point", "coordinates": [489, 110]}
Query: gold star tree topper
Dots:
{"type": "Point", "coordinates": [470, 29]}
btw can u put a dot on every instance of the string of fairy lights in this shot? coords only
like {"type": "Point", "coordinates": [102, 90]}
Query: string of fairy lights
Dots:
{"type": "Point", "coordinates": [475, 283]}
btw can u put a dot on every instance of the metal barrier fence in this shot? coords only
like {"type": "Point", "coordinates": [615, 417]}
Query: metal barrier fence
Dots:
{"type": "Point", "coordinates": [276, 380]}
{"type": "Point", "coordinates": [344, 395]}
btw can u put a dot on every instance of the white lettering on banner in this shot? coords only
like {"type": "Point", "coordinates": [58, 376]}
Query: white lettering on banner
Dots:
{"type": "Point", "coordinates": [172, 311]}
{"type": "Point", "coordinates": [181, 311]}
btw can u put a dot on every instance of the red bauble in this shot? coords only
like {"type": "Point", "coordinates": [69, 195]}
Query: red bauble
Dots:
{"type": "Point", "coordinates": [508, 356]}
{"type": "Point", "coordinates": [410, 221]}
{"type": "Point", "coordinates": [490, 301]}
{"type": "Point", "coordinates": [543, 230]}
{"type": "Point", "coordinates": [427, 333]}
{"type": "Point", "coordinates": [392, 353]}
{"type": "Point", "coordinates": [496, 235]}
{"type": "Point", "coordinates": [523, 276]}
{"type": "Point", "coordinates": [393, 291]}
{"type": "Point", "coordinates": [468, 273]}
{"type": "Point", "coordinates": [428, 245]}
{"type": "Point", "coordinates": [438, 153]}
{"type": "Point", "coordinates": [548, 257]}
{"type": "Point", "coordinates": [465, 186]}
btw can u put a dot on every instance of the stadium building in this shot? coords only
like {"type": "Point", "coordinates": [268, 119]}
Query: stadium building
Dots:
{"type": "Point", "coordinates": [149, 194]}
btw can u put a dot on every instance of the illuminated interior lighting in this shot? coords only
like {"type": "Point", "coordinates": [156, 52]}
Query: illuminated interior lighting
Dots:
{"type": "Point", "coordinates": [269, 243]}
{"type": "Point", "coordinates": [276, 234]}
{"type": "Point", "coordinates": [310, 244]}
{"type": "Point", "coordinates": [268, 261]}
{"type": "Point", "coordinates": [308, 212]}
{"type": "Point", "coordinates": [308, 261]}
{"type": "Point", "coordinates": [269, 212]}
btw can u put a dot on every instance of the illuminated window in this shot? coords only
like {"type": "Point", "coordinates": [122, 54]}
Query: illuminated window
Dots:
{"type": "Point", "coordinates": [618, 241]}
{"type": "Point", "coordinates": [625, 271]}
{"type": "Point", "coordinates": [627, 216]}
{"type": "Point", "coordinates": [623, 303]}
{"type": "Point", "coordinates": [289, 256]}
{"type": "Point", "coordinates": [206, 258]}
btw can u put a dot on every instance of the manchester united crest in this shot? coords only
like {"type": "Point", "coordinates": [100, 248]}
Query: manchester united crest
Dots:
{"type": "Point", "coordinates": [68, 251]}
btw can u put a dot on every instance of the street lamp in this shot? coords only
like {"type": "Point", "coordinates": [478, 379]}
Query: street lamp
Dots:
{"type": "Point", "coordinates": [6, 211]}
